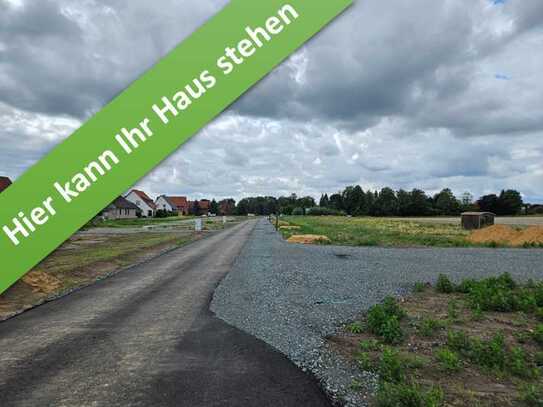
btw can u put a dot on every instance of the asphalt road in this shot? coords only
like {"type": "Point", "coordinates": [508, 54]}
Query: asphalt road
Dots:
{"type": "Point", "coordinates": [146, 337]}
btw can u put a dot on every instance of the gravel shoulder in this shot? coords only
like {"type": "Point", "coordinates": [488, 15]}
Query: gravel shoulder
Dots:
{"type": "Point", "coordinates": [292, 296]}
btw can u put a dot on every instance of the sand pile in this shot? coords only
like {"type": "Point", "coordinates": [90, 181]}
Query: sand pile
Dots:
{"type": "Point", "coordinates": [308, 239]}
{"type": "Point", "coordinates": [42, 282]}
{"type": "Point", "coordinates": [532, 236]}
{"type": "Point", "coordinates": [507, 235]}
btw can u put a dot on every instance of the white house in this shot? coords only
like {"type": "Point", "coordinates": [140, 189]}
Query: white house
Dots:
{"type": "Point", "coordinates": [164, 204]}
{"type": "Point", "coordinates": [142, 201]}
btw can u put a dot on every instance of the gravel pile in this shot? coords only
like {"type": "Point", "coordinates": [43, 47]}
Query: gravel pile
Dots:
{"type": "Point", "coordinates": [292, 296]}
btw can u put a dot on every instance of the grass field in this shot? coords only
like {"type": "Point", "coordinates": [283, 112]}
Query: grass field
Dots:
{"type": "Point", "coordinates": [378, 232]}
{"type": "Point", "coordinates": [123, 223]}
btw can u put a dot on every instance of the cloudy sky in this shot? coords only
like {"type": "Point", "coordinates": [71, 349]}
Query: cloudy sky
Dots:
{"type": "Point", "coordinates": [401, 93]}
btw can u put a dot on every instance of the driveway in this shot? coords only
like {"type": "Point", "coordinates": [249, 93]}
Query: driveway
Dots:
{"type": "Point", "coordinates": [146, 337]}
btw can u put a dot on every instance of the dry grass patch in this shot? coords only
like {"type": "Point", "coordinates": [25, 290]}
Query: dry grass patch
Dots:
{"type": "Point", "coordinates": [309, 239]}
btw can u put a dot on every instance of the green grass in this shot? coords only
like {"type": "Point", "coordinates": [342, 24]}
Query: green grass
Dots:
{"type": "Point", "coordinates": [379, 232]}
{"type": "Point", "coordinates": [124, 223]}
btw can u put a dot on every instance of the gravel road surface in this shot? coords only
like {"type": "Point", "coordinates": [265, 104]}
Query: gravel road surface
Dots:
{"type": "Point", "coordinates": [291, 296]}
{"type": "Point", "coordinates": [146, 337]}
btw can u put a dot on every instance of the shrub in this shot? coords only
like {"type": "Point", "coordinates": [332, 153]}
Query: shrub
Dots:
{"type": "Point", "coordinates": [384, 321]}
{"type": "Point", "coordinates": [498, 294]}
{"type": "Point", "coordinates": [465, 286]}
{"type": "Point", "coordinates": [419, 287]}
{"type": "Point", "coordinates": [448, 359]}
{"type": "Point", "coordinates": [428, 327]}
{"type": "Point", "coordinates": [477, 313]}
{"type": "Point", "coordinates": [408, 395]}
{"type": "Point", "coordinates": [298, 212]}
{"type": "Point", "coordinates": [539, 359]}
{"type": "Point", "coordinates": [391, 368]}
{"type": "Point", "coordinates": [364, 361]}
{"type": "Point", "coordinates": [391, 331]}
{"type": "Point", "coordinates": [369, 345]}
{"type": "Point", "coordinates": [491, 354]}
{"type": "Point", "coordinates": [458, 341]}
{"type": "Point", "coordinates": [538, 334]}
{"type": "Point", "coordinates": [321, 211]}
{"type": "Point", "coordinates": [444, 285]}
{"type": "Point", "coordinates": [452, 310]}
{"type": "Point", "coordinates": [393, 309]}
{"type": "Point", "coordinates": [518, 363]}
{"type": "Point", "coordinates": [532, 395]}
{"type": "Point", "coordinates": [355, 328]}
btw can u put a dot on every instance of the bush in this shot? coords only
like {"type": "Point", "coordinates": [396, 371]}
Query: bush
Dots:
{"type": "Point", "coordinates": [458, 341]}
{"type": "Point", "coordinates": [384, 321]}
{"type": "Point", "coordinates": [428, 327]}
{"type": "Point", "coordinates": [298, 212]}
{"type": "Point", "coordinates": [369, 345]}
{"type": "Point", "coordinates": [532, 395]}
{"type": "Point", "coordinates": [364, 361]}
{"type": "Point", "coordinates": [538, 334]}
{"type": "Point", "coordinates": [491, 354]}
{"type": "Point", "coordinates": [391, 368]}
{"type": "Point", "coordinates": [518, 364]}
{"type": "Point", "coordinates": [448, 359]}
{"type": "Point", "coordinates": [355, 328]}
{"type": "Point", "coordinates": [444, 285]}
{"type": "Point", "coordinates": [419, 287]}
{"type": "Point", "coordinates": [321, 211]}
{"type": "Point", "coordinates": [408, 395]}
{"type": "Point", "coordinates": [452, 310]}
{"type": "Point", "coordinates": [501, 294]}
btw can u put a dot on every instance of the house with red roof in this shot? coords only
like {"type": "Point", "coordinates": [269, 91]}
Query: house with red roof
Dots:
{"type": "Point", "coordinates": [143, 201]}
{"type": "Point", "coordinates": [4, 183]}
{"type": "Point", "coordinates": [175, 204]}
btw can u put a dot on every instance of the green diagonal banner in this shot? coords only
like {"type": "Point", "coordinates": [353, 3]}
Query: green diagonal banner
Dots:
{"type": "Point", "coordinates": [149, 121]}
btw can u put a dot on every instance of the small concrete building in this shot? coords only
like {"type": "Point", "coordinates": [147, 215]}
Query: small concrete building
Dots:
{"type": "Point", "coordinates": [121, 208]}
{"type": "Point", "coordinates": [477, 220]}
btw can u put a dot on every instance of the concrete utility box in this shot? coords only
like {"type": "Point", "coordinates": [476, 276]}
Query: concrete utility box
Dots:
{"type": "Point", "coordinates": [477, 220]}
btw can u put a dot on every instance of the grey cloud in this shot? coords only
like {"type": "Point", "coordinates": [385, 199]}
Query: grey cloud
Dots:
{"type": "Point", "coordinates": [400, 93]}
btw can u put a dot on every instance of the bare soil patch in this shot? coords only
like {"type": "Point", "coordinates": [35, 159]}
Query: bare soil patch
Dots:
{"type": "Point", "coordinates": [82, 260]}
{"type": "Point", "coordinates": [509, 236]}
{"type": "Point", "coordinates": [439, 349]}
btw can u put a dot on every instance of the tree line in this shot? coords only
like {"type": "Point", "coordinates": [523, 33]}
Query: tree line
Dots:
{"type": "Point", "coordinates": [354, 201]}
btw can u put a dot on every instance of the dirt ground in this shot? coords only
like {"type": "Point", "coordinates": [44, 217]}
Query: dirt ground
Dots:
{"type": "Point", "coordinates": [83, 259]}
{"type": "Point", "coordinates": [466, 384]}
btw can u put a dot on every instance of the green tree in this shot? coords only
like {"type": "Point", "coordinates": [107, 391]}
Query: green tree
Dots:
{"type": "Point", "coordinates": [336, 202]}
{"type": "Point", "coordinates": [386, 203]}
{"type": "Point", "coordinates": [446, 203]}
{"type": "Point", "coordinates": [214, 207]}
{"type": "Point", "coordinates": [324, 201]}
{"type": "Point", "coordinates": [510, 203]}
